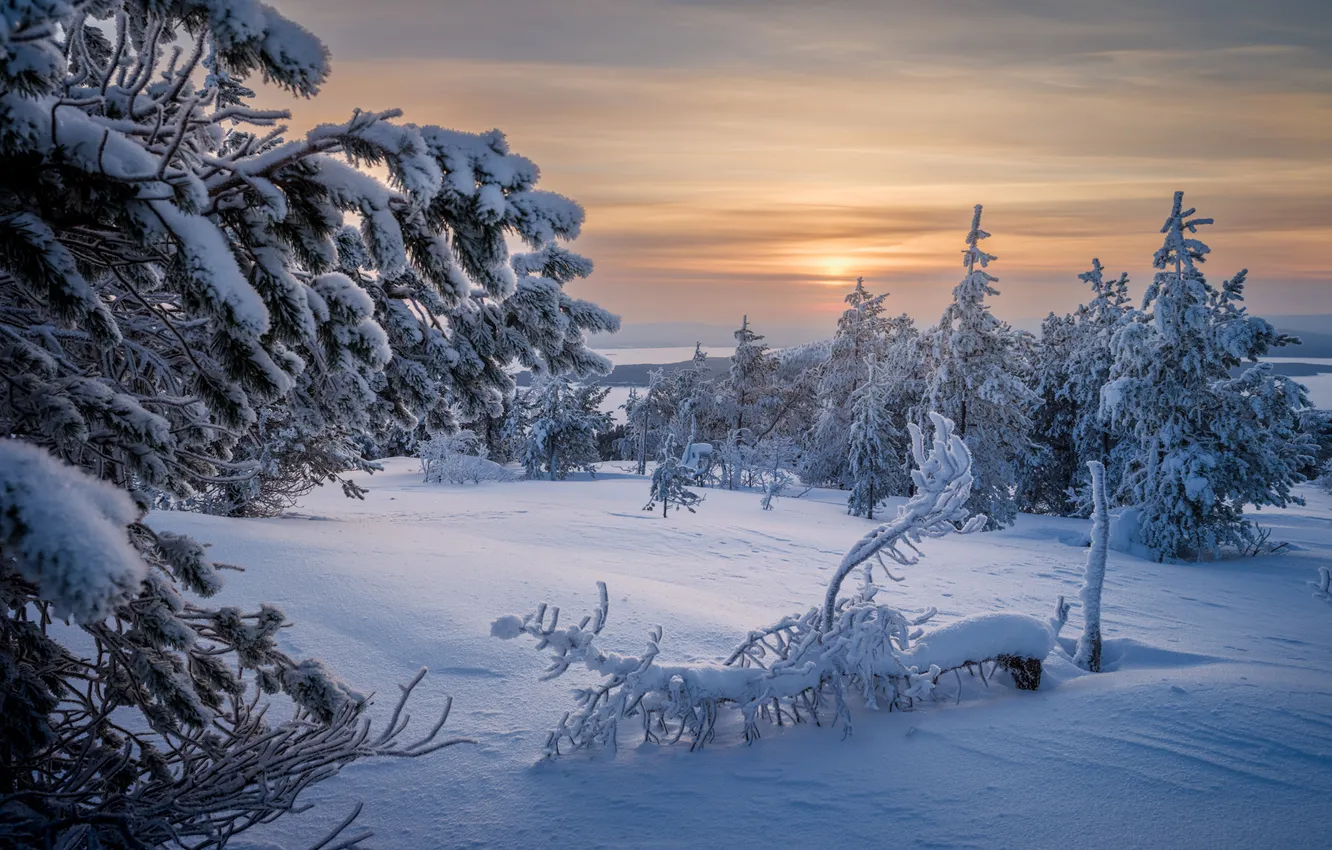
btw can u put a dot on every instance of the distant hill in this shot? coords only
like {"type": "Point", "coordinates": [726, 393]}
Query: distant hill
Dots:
{"type": "Point", "coordinates": [1312, 343]}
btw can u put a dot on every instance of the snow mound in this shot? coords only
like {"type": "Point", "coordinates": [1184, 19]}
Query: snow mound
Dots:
{"type": "Point", "coordinates": [980, 638]}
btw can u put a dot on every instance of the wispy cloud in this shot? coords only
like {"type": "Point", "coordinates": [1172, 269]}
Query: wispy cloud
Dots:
{"type": "Point", "coordinates": [739, 156]}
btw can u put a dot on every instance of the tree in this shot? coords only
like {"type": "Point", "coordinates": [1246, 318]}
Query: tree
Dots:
{"type": "Point", "coordinates": [670, 482]}
{"type": "Point", "coordinates": [689, 388]}
{"type": "Point", "coordinates": [872, 453]}
{"type": "Point", "coordinates": [742, 400]}
{"type": "Point", "coordinates": [566, 419]}
{"type": "Point", "coordinates": [1088, 654]}
{"type": "Point", "coordinates": [1047, 471]}
{"type": "Point", "coordinates": [1203, 444]}
{"type": "Point", "coordinates": [861, 332]}
{"type": "Point", "coordinates": [1094, 435]}
{"type": "Point", "coordinates": [744, 390]}
{"type": "Point", "coordinates": [978, 363]}
{"type": "Point", "coordinates": [643, 411]}
{"type": "Point", "coordinates": [1072, 364]}
{"type": "Point", "coordinates": [166, 276]}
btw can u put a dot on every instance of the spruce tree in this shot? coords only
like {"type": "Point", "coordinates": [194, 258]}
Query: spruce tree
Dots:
{"type": "Point", "coordinates": [670, 482]}
{"type": "Point", "coordinates": [1047, 472]}
{"type": "Point", "coordinates": [565, 421]}
{"type": "Point", "coordinates": [978, 363]}
{"type": "Point", "coordinates": [874, 453]}
{"type": "Point", "coordinates": [168, 278]}
{"type": "Point", "coordinates": [1203, 444]}
{"type": "Point", "coordinates": [861, 332]}
{"type": "Point", "coordinates": [741, 399]}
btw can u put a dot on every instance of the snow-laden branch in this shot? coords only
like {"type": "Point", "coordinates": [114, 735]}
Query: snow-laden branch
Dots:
{"type": "Point", "coordinates": [943, 483]}
{"type": "Point", "coordinates": [803, 665]}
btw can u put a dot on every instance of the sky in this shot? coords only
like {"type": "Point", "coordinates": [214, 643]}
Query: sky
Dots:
{"type": "Point", "coordinates": [750, 157]}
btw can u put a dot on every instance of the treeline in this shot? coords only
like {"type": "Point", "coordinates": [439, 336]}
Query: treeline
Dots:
{"type": "Point", "coordinates": [1167, 394]}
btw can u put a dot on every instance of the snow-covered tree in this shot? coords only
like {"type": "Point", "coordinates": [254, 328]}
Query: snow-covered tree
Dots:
{"type": "Point", "coordinates": [1094, 435]}
{"type": "Point", "coordinates": [645, 415]}
{"type": "Point", "coordinates": [861, 332]}
{"type": "Point", "coordinates": [742, 394]}
{"type": "Point", "coordinates": [453, 353]}
{"type": "Point", "coordinates": [978, 364]}
{"type": "Point", "coordinates": [1048, 470]}
{"type": "Point", "coordinates": [739, 400]}
{"type": "Point", "coordinates": [1204, 444]}
{"type": "Point", "coordinates": [167, 274]}
{"type": "Point", "coordinates": [874, 457]}
{"type": "Point", "coordinates": [566, 419]}
{"type": "Point", "coordinates": [670, 482]}
{"type": "Point", "coordinates": [1088, 654]}
{"type": "Point", "coordinates": [1072, 364]}
{"type": "Point", "coordinates": [689, 390]}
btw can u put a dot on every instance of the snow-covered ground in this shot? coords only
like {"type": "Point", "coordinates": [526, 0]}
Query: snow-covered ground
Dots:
{"type": "Point", "coordinates": [1212, 728]}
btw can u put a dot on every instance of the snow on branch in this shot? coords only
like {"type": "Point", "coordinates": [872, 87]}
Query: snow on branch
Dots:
{"type": "Point", "coordinates": [943, 483]}
{"type": "Point", "coordinates": [804, 667]}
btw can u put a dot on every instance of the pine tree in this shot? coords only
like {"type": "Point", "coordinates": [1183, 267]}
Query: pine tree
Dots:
{"type": "Point", "coordinates": [978, 363]}
{"type": "Point", "coordinates": [861, 332]}
{"type": "Point", "coordinates": [1048, 471]}
{"type": "Point", "coordinates": [690, 388]}
{"type": "Point", "coordinates": [741, 398]}
{"type": "Point", "coordinates": [748, 382]}
{"type": "Point", "coordinates": [874, 456]}
{"type": "Point", "coordinates": [168, 284]}
{"type": "Point", "coordinates": [1203, 444]}
{"type": "Point", "coordinates": [670, 482]}
{"type": "Point", "coordinates": [1094, 436]}
{"type": "Point", "coordinates": [566, 419]}
{"type": "Point", "coordinates": [1072, 364]}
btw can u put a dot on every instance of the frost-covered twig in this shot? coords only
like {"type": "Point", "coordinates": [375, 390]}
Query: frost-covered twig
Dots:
{"type": "Point", "coordinates": [943, 483]}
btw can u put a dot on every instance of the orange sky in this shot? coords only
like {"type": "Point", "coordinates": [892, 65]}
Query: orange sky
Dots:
{"type": "Point", "coordinates": [744, 156]}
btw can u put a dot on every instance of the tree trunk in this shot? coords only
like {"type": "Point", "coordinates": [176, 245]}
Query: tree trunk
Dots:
{"type": "Point", "coordinates": [1088, 654]}
{"type": "Point", "coordinates": [642, 443]}
{"type": "Point", "coordinates": [1026, 672]}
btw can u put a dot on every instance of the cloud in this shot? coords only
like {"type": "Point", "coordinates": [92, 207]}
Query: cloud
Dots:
{"type": "Point", "coordinates": [738, 155]}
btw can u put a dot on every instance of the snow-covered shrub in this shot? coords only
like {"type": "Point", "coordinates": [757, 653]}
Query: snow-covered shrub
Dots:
{"type": "Point", "coordinates": [804, 666]}
{"type": "Point", "coordinates": [1324, 584]}
{"type": "Point", "coordinates": [459, 459]}
{"type": "Point", "coordinates": [670, 482]}
{"type": "Point", "coordinates": [774, 487]}
{"type": "Point", "coordinates": [1324, 479]}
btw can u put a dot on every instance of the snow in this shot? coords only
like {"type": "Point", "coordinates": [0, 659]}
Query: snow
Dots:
{"type": "Point", "coordinates": [41, 500]}
{"type": "Point", "coordinates": [981, 637]}
{"type": "Point", "coordinates": [1212, 728]}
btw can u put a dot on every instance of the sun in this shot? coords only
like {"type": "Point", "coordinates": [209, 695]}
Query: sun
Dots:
{"type": "Point", "coordinates": [835, 270]}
